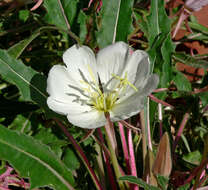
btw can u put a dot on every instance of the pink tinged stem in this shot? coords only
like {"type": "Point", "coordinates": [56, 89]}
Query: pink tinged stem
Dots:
{"type": "Point", "coordinates": [148, 127]}
{"type": "Point", "coordinates": [195, 171]}
{"type": "Point", "coordinates": [180, 130]}
{"type": "Point", "coordinates": [107, 161]}
{"type": "Point", "coordinates": [153, 98]}
{"type": "Point", "coordinates": [160, 90]}
{"type": "Point", "coordinates": [124, 146]}
{"type": "Point", "coordinates": [6, 173]}
{"type": "Point", "coordinates": [183, 16]}
{"type": "Point", "coordinates": [81, 154]}
{"type": "Point", "coordinates": [160, 119]}
{"type": "Point", "coordinates": [132, 159]}
{"type": "Point", "coordinates": [36, 5]}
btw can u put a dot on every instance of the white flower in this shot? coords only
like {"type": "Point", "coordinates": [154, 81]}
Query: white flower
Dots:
{"type": "Point", "coordinates": [115, 81]}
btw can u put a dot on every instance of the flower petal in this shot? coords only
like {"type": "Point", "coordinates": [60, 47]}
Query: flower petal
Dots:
{"type": "Point", "coordinates": [90, 120]}
{"type": "Point", "coordinates": [65, 108]}
{"type": "Point", "coordinates": [137, 69]}
{"type": "Point", "coordinates": [62, 95]}
{"type": "Point", "coordinates": [137, 66]}
{"type": "Point", "coordinates": [78, 61]}
{"type": "Point", "coordinates": [127, 108]}
{"type": "Point", "coordinates": [112, 60]}
{"type": "Point", "coordinates": [134, 103]}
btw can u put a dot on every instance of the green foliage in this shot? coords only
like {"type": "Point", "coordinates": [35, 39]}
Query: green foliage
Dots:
{"type": "Point", "coordinates": [31, 42]}
{"type": "Point", "coordinates": [116, 22]}
{"type": "Point", "coordinates": [139, 182]}
{"type": "Point", "coordinates": [182, 82]}
{"type": "Point", "coordinates": [54, 14]}
{"type": "Point", "coordinates": [25, 78]}
{"type": "Point", "coordinates": [34, 160]}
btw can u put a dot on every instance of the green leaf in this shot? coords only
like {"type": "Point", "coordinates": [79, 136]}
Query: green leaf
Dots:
{"type": "Point", "coordinates": [17, 49]}
{"type": "Point", "coordinates": [203, 96]}
{"type": "Point", "coordinates": [24, 15]}
{"type": "Point", "coordinates": [161, 46]}
{"type": "Point", "coordinates": [162, 181]}
{"type": "Point", "coordinates": [158, 21]}
{"type": "Point", "coordinates": [47, 137]}
{"type": "Point", "coordinates": [70, 159]}
{"type": "Point", "coordinates": [116, 22]}
{"type": "Point", "coordinates": [190, 60]}
{"type": "Point", "coordinates": [184, 187]}
{"type": "Point", "coordinates": [21, 123]}
{"type": "Point", "coordinates": [138, 181]}
{"type": "Point", "coordinates": [34, 160]}
{"type": "Point", "coordinates": [193, 157]}
{"type": "Point", "coordinates": [82, 18]}
{"type": "Point", "coordinates": [182, 82]}
{"type": "Point", "coordinates": [32, 85]}
{"type": "Point", "coordinates": [198, 27]}
{"type": "Point", "coordinates": [167, 49]}
{"type": "Point", "coordinates": [54, 15]}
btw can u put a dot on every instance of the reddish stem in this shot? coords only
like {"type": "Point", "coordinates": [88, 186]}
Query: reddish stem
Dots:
{"type": "Point", "coordinates": [107, 161]}
{"type": "Point", "coordinates": [180, 130]}
{"type": "Point", "coordinates": [80, 153]}
{"type": "Point", "coordinates": [159, 101]}
{"type": "Point", "coordinates": [124, 146]}
{"type": "Point", "coordinates": [195, 171]}
{"type": "Point", "coordinates": [132, 159]}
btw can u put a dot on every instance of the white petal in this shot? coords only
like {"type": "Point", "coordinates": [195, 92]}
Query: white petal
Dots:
{"type": "Point", "coordinates": [112, 60]}
{"type": "Point", "coordinates": [137, 69]}
{"type": "Point", "coordinates": [62, 95]}
{"type": "Point", "coordinates": [79, 60]}
{"type": "Point", "coordinates": [90, 120]}
{"type": "Point", "coordinates": [150, 85]}
{"type": "Point", "coordinates": [137, 66]}
{"type": "Point", "coordinates": [134, 103]}
{"type": "Point", "coordinates": [65, 108]}
{"type": "Point", "coordinates": [127, 108]}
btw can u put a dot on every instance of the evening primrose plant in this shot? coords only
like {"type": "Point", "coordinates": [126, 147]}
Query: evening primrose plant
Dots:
{"type": "Point", "coordinates": [115, 81]}
{"type": "Point", "coordinates": [95, 91]}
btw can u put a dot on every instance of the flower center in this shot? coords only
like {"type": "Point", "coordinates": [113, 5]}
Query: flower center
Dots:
{"type": "Point", "coordinates": [103, 99]}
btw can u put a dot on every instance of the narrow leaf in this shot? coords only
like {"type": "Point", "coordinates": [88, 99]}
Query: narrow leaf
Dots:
{"type": "Point", "coordinates": [138, 181]}
{"type": "Point", "coordinates": [190, 60]}
{"type": "Point", "coordinates": [18, 48]}
{"type": "Point", "coordinates": [32, 85]}
{"type": "Point", "coordinates": [54, 14]}
{"type": "Point", "coordinates": [34, 160]}
{"type": "Point", "coordinates": [182, 82]}
{"type": "Point", "coordinates": [116, 22]}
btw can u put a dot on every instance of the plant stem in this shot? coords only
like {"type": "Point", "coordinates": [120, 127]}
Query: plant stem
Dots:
{"type": "Point", "coordinates": [73, 36]}
{"type": "Point", "coordinates": [132, 159]}
{"type": "Point", "coordinates": [107, 161]}
{"type": "Point", "coordinates": [81, 154]}
{"type": "Point", "coordinates": [144, 141]}
{"type": "Point", "coordinates": [180, 130]}
{"type": "Point", "coordinates": [110, 142]}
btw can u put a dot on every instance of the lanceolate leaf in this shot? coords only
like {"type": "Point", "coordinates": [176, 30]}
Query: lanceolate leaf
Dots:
{"type": "Point", "coordinates": [158, 21]}
{"type": "Point", "coordinates": [32, 85]}
{"type": "Point", "coordinates": [34, 160]}
{"type": "Point", "coordinates": [18, 48]}
{"type": "Point", "coordinates": [54, 14]}
{"type": "Point", "coordinates": [116, 22]}
{"type": "Point", "coordinates": [159, 27]}
{"type": "Point", "coordinates": [138, 181]}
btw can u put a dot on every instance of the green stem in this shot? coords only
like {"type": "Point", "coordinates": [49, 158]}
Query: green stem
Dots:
{"type": "Point", "coordinates": [110, 142]}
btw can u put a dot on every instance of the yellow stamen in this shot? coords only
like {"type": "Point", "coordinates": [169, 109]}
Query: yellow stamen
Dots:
{"type": "Point", "coordinates": [124, 82]}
